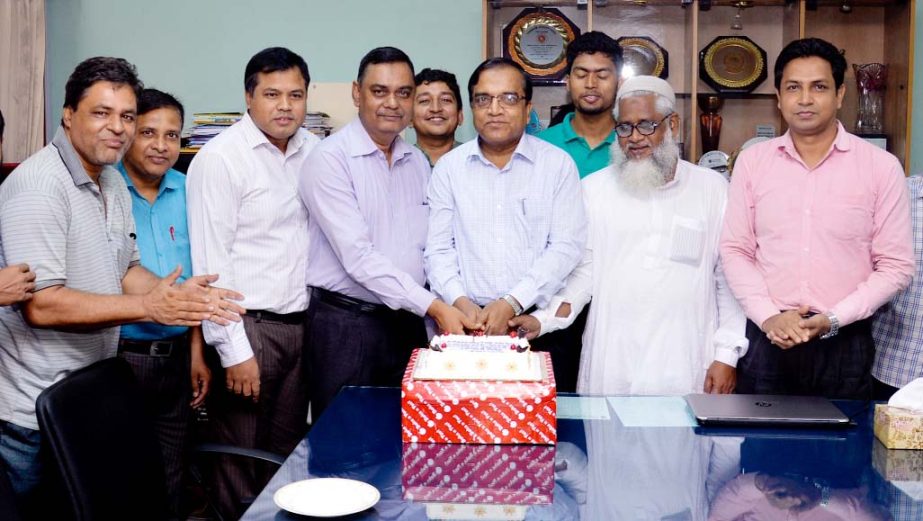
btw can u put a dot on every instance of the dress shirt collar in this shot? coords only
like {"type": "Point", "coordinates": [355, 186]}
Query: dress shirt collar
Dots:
{"type": "Point", "coordinates": [841, 143]}
{"type": "Point", "coordinates": [70, 158]}
{"type": "Point", "coordinates": [525, 149]}
{"type": "Point", "coordinates": [255, 137]}
{"type": "Point", "coordinates": [360, 143]}
{"type": "Point", "coordinates": [167, 182]}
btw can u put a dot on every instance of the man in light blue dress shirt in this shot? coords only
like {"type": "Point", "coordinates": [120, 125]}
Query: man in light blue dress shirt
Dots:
{"type": "Point", "coordinates": [165, 359]}
{"type": "Point", "coordinates": [507, 223]}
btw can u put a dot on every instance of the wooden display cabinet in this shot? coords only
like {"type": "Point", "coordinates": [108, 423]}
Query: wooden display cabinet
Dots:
{"type": "Point", "coordinates": [869, 31]}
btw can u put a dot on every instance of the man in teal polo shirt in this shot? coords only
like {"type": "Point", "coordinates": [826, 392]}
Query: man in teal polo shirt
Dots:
{"type": "Point", "coordinates": [165, 359]}
{"type": "Point", "coordinates": [594, 61]}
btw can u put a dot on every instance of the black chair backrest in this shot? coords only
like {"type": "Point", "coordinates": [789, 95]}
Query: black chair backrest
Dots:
{"type": "Point", "coordinates": [94, 423]}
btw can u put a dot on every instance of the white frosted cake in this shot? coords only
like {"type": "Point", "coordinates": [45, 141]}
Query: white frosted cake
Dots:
{"type": "Point", "coordinates": [467, 357]}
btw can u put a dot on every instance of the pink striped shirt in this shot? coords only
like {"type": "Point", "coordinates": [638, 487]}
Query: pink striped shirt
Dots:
{"type": "Point", "coordinates": [835, 237]}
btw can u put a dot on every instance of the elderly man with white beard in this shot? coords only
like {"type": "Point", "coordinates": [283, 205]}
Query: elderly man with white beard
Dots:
{"type": "Point", "coordinates": [663, 320]}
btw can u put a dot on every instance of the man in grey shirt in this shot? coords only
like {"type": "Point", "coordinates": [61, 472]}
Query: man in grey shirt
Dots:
{"type": "Point", "coordinates": [67, 212]}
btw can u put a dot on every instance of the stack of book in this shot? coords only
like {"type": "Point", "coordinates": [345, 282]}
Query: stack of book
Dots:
{"type": "Point", "coordinates": [207, 125]}
{"type": "Point", "coordinates": [317, 124]}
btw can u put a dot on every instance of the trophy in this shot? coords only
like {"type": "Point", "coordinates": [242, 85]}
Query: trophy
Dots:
{"type": "Point", "coordinates": [870, 81]}
{"type": "Point", "coordinates": [732, 64]}
{"type": "Point", "coordinates": [710, 121]}
{"type": "Point", "coordinates": [537, 39]}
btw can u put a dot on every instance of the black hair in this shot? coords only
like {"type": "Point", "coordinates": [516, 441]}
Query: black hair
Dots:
{"type": "Point", "coordinates": [100, 68]}
{"type": "Point", "coordinates": [494, 63]}
{"type": "Point", "coordinates": [273, 59]}
{"type": "Point", "coordinates": [2, 125]}
{"type": "Point", "coordinates": [808, 47]}
{"type": "Point", "coordinates": [591, 43]}
{"type": "Point", "coordinates": [383, 55]}
{"type": "Point", "coordinates": [428, 75]}
{"type": "Point", "coordinates": [153, 99]}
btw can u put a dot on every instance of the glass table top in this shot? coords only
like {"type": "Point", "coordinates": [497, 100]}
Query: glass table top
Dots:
{"type": "Point", "coordinates": [632, 458]}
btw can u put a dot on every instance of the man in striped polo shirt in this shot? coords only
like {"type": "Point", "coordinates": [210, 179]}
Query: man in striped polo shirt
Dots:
{"type": "Point", "coordinates": [66, 211]}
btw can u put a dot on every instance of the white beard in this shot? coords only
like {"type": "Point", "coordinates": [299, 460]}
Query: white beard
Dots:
{"type": "Point", "coordinates": [642, 176]}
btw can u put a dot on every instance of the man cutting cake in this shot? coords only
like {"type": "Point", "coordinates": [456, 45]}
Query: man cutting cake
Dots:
{"type": "Point", "coordinates": [504, 231]}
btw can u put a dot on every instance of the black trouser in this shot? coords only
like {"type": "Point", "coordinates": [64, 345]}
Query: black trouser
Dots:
{"type": "Point", "coordinates": [882, 391]}
{"type": "Point", "coordinates": [838, 367]}
{"type": "Point", "coordinates": [360, 344]}
{"type": "Point", "coordinates": [565, 347]}
{"type": "Point", "coordinates": [165, 384]}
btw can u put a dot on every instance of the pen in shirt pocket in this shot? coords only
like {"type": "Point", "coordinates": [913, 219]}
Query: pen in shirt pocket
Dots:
{"type": "Point", "coordinates": [172, 234]}
{"type": "Point", "coordinates": [522, 205]}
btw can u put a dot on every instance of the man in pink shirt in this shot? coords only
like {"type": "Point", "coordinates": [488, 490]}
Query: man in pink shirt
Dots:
{"type": "Point", "coordinates": [816, 238]}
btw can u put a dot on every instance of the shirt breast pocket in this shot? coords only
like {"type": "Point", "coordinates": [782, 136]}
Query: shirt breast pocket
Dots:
{"type": "Point", "coordinates": [849, 219]}
{"type": "Point", "coordinates": [687, 240]}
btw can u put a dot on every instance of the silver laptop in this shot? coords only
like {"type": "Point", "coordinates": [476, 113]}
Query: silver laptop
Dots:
{"type": "Point", "coordinates": [764, 409]}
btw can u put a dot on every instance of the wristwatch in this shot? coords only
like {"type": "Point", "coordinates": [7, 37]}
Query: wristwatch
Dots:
{"type": "Point", "coordinates": [834, 326]}
{"type": "Point", "coordinates": [517, 308]}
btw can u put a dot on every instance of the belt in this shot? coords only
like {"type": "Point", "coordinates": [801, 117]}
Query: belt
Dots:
{"type": "Point", "coordinates": [160, 348]}
{"type": "Point", "coordinates": [268, 316]}
{"type": "Point", "coordinates": [348, 303]}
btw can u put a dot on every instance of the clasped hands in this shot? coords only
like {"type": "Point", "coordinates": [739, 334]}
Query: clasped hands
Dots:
{"type": "Point", "coordinates": [464, 316]}
{"type": "Point", "coordinates": [793, 327]}
{"type": "Point", "coordinates": [191, 302]}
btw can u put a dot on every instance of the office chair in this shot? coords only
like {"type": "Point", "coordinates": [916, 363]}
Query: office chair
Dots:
{"type": "Point", "coordinates": [103, 444]}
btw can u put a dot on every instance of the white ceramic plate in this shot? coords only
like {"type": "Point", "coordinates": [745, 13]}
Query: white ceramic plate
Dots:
{"type": "Point", "coordinates": [326, 497]}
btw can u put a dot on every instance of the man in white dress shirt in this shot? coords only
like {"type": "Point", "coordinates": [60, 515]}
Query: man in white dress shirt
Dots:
{"type": "Point", "coordinates": [663, 320]}
{"type": "Point", "coordinates": [504, 229]}
{"type": "Point", "coordinates": [246, 217]}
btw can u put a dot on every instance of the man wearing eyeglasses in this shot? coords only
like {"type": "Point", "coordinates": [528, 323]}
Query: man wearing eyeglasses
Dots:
{"type": "Point", "coordinates": [506, 226]}
{"type": "Point", "coordinates": [663, 321]}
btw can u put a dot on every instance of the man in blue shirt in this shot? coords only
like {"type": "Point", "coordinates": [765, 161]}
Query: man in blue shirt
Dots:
{"type": "Point", "coordinates": [165, 359]}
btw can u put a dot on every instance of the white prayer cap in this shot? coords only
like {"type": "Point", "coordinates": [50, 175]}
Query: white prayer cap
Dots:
{"type": "Point", "coordinates": [646, 84]}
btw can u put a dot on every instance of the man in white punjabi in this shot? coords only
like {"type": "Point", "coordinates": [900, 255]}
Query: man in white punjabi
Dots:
{"type": "Point", "coordinates": [663, 321]}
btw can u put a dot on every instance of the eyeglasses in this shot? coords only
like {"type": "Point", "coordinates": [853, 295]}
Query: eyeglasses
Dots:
{"type": "Point", "coordinates": [508, 99]}
{"type": "Point", "coordinates": [645, 128]}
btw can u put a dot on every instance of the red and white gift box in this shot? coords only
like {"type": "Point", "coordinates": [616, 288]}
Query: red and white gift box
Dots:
{"type": "Point", "coordinates": [481, 474]}
{"type": "Point", "coordinates": [479, 411]}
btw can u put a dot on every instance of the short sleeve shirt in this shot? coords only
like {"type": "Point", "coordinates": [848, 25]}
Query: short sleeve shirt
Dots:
{"type": "Point", "coordinates": [588, 159]}
{"type": "Point", "coordinates": [72, 232]}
